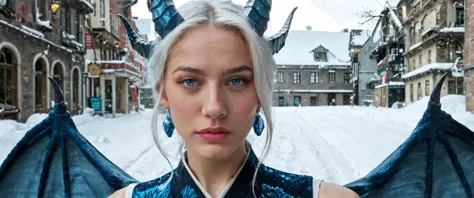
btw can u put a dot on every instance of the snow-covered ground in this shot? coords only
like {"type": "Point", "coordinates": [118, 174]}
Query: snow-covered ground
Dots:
{"type": "Point", "coordinates": [337, 144]}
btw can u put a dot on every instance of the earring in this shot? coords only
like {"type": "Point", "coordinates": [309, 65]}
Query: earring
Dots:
{"type": "Point", "coordinates": [258, 125]}
{"type": "Point", "coordinates": [168, 125]}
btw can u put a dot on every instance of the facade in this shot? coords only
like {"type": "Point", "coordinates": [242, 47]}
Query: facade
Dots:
{"type": "Point", "coordinates": [469, 55]}
{"type": "Point", "coordinates": [357, 39]}
{"type": "Point", "coordinates": [40, 39]}
{"type": "Point", "coordinates": [113, 66]}
{"type": "Point", "coordinates": [313, 70]}
{"type": "Point", "coordinates": [145, 31]}
{"type": "Point", "coordinates": [366, 73]}
{"type": "Point", "coordinates": [389, 38]}
{"type": "Point", "coordinates": [435, 40]}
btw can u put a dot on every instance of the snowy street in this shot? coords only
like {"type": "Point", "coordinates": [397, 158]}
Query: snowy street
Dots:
{"type": "Point", "coordinates": [338, 144]}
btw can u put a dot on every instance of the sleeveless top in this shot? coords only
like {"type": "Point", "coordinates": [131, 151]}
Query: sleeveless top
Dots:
{"type": "Point", "coordinates": [269, 183]}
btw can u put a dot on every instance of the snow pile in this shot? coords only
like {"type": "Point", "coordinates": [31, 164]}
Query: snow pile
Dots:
{"type": "Point", "coordinates": [426, 68]}
{"type": "Point", "coordinates": [454, 30]}
{"type": "Point", "coordinates": [36, 118]}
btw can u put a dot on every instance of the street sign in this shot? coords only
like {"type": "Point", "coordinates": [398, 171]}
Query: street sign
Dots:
{"type": "Point", "coordinates": [94, 69]}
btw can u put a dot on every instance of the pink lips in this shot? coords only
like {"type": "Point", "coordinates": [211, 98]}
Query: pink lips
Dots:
{"type": "Point", "coordinates": [214, 134]}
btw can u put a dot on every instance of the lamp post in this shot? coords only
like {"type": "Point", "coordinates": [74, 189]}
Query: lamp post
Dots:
{"type": "Point", "coordinates": [54, 5]}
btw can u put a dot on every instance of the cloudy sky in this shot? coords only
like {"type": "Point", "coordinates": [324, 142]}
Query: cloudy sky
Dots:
{"type": "Point", "coordinates": [323, 15]}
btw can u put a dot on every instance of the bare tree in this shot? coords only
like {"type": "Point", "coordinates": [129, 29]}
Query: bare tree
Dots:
{"type": "Point", "coordinates": [367, 15]}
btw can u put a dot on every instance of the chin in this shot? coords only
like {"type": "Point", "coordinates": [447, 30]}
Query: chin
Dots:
{"type": "Point", "coordinates": [215, 151]}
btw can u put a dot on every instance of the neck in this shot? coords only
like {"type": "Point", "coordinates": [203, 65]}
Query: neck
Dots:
{"type": "Point", "coordinates": [214, 175]}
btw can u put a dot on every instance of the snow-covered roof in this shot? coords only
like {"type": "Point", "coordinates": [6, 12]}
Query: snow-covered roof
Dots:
{"type": "Point", "coordinates": [360, 39]}
{"type": "Point", "coordinates": [426, 68]}
{"type": "Point", "coordinates": [391, 83]}
{"type": "Point", "coordinates": [299, 44]}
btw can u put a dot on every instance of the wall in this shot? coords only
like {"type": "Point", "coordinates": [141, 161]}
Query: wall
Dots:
{"type": "Point", "coordinates": [469, 54]}
{"type": "Point", "coordinates": [433, 80]}
{"type": "Point", "coordinates": [305, 79]}
{"type": "Point", "coordinates": [367, 68]}
{"type": "Point", "coordinates": [322, 98]}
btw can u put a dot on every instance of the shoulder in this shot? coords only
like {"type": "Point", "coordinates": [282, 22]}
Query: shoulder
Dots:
{"type": "Point", "coordinates": [118, 194]}
{"type": "Point", "coordinates": [329, 190]}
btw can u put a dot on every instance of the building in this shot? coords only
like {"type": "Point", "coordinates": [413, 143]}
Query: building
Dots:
{"type": "Point", "coordinates": [40, 39]}
{"type": "Point", "coordinates": [389, 38]}
{"type": "Point", "coordinates": [313, 69]}
{"type": "Point", "coordinates": [365, 75]}
{"type": "Point", "coordinates": [434, 41]}
{"type": "Point", "coordinates": [357, 39]}
{"type": "Point", "coordinates": [113, 66]}
{"type": "Point", "coordinates": [469, 55]}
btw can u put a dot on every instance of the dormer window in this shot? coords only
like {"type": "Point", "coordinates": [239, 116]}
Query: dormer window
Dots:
{"type": "Point", "coordinates": [320, 57]}
{"type": "Point", "coordinates": [320, 54]}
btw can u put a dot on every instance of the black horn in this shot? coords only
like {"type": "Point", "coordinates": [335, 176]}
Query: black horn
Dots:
{"type": "Point", "coordinates": [165, 16]}
{"type": "Point", "coordinates": [58, 93]}
{"type": "Point", "coordinates": [436, 95]}
{"type": "Point", "coordinates": [277, 41]}
{"type": "Point", "coordinates": [138, 44]}
{"type": "Point", "coordinates": [258, 13]}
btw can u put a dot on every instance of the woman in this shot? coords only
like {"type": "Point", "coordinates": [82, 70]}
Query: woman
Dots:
{"type": "Point", "coordinates": [214, 75]}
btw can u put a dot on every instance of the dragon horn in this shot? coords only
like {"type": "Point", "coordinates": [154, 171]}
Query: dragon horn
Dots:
{"type": "Point", "coordinates": [277, 41]}
{"type": "Point", "coordinates": [436, 95]}
{"type": "Point", "coordinates": [138, 44]}
{"type": "Point", "coordinates": [258, 13]}
{"type": "Point", "coordinates": [165, 16]}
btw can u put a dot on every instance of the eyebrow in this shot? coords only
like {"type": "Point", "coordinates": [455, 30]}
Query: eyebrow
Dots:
{"type": "Point", "coordinates": [201, 72]}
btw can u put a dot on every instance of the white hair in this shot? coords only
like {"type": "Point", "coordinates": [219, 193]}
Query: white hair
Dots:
{"type": "Point", "coordinates": [220, 14]}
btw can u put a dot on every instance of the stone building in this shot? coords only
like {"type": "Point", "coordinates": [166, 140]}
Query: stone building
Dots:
{"type": "Point", "coordinates": [389, 37]}
{"type": "Point", "coordinates": [434, 41]}
{"type": "Point", "coordinates": [469, 55]}
{"type": "Point", "coordinates": [314, 69]}
{"type": "Point", "coordinates": [40, 39]}
{"type": "Point", "coordinates": [113, 66]}
{"type": "Point", "coordinates": [358, 37]}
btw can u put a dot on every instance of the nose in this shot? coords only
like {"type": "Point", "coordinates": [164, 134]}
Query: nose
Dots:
{"type": "Point", "coordinates": [214, 104]}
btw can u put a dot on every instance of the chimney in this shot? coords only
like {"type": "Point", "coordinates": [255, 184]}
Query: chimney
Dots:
{"type": "Point", "coordinates": [309, 28]}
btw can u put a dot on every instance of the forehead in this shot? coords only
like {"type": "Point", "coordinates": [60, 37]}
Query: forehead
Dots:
{"type": "Point", "coordinates": [210, 48]}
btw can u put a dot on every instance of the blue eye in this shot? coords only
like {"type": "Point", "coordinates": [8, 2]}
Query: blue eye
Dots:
{"type": "Point", "coordinates": [236, 82]}
{"type": "Point", "coordinates": [189, 82]}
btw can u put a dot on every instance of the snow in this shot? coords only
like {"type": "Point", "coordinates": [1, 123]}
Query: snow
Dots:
{"type": "Point", "coordinates": [306, 140]}
{"type": "Point", "coordinates": [393, 17]}
{"type": "Point", "coordinates": [314, 91]}
{"type": "Point", "coordinates": [36, 32]}
{"type": "Point", "coordinates": [299, 44]}
{"type": "Point", "coordinates": [46, 24]}
{"type": "Point", "coordinates": [391, 83]}
{"type": "Point", "coordinates": [416, 45]}
{"type": "Point", "coordinates": [87, 4]}
{"type": "Point", "coordinates": [34, 35]}
{"type": "Point", "coordinates": [426, 68]}
{"type": "Point", "coordinates": [360, 39]}
{"type": "Point", "coordinates": [454, 29]}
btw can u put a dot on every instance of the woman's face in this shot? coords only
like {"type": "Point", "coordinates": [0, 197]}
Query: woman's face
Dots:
{"type": "Point", "coordinates": [210, 91]}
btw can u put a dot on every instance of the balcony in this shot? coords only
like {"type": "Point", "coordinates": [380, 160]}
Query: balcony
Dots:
{"type": "Point", "coordinates": [84, 6]}
{"type": "Point", "coordinates": [120, 68]}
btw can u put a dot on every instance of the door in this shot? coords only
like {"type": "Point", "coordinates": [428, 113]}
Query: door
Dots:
{"type": "Point", "coordinates": [346, 99]}
{"type": "Point", "coordinates": [281, 101]}
{"type": "Point", "coordinates": [297, 100]}
{"type": "Point", "coordinates": [313, 101]}
{"type": "Point", "coordinates": [331, 99]}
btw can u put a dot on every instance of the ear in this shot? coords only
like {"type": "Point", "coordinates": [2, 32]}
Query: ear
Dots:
{"type": "Point", "coordinates": [164, 96]}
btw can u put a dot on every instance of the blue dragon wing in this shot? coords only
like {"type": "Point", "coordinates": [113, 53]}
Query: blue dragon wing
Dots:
{"type": "Point", "coordinates": [54, 160]}
{"type": "Point", "coordinates": [437, 160]}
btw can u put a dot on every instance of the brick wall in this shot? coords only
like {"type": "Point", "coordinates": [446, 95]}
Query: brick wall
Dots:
{"type": "Point", "coordinates": [469, 54]}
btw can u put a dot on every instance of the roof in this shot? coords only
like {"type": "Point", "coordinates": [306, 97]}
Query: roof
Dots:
{"type": "Point", "coordinates": [300, 43]}
{"type": "Point", "coordinates": [360, 39]}
{"type": "Point", "coordinates": [426, 68]}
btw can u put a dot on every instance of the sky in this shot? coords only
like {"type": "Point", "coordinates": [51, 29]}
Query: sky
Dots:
{"type": "Point", "coordinates": [322, 15]}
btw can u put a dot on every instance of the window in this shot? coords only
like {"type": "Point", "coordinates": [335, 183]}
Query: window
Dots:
{"type": "Point", "coordinates": [297, 100]}
{"type": "Point", "coordinates": [332, 77]}
{"type": "Point", "coordinates": [347, 78]}
{"type": "Point", "coordinates": [296, 78]}
{"type": "Point", "coordinates": [314, 77]}
{"type": "Point", "coordinates": [6, 78]}
{"type": "Point", "coordinates": [420, 59]}
{"type": "Point", "coordinates": [459, 17]}
{"type": "Point", "coordinates": [320, 57]}
{"type": "Point", "coordinates": [418, 91]}
{"type": "Point", "coordinates": [438, 18]}
{"type": "Point", "coordinates": [412, 98]}
{"type": "Point", "coordinates": [279, 77]}
{"type": "Point", "coordinates": [427, 88]}
{"type": "Point", "coordinates": [413, 66]}
{"type": "Point", "coordinates": [281, 101]}
{"type": "Point", "coordinates": [429, 57]}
